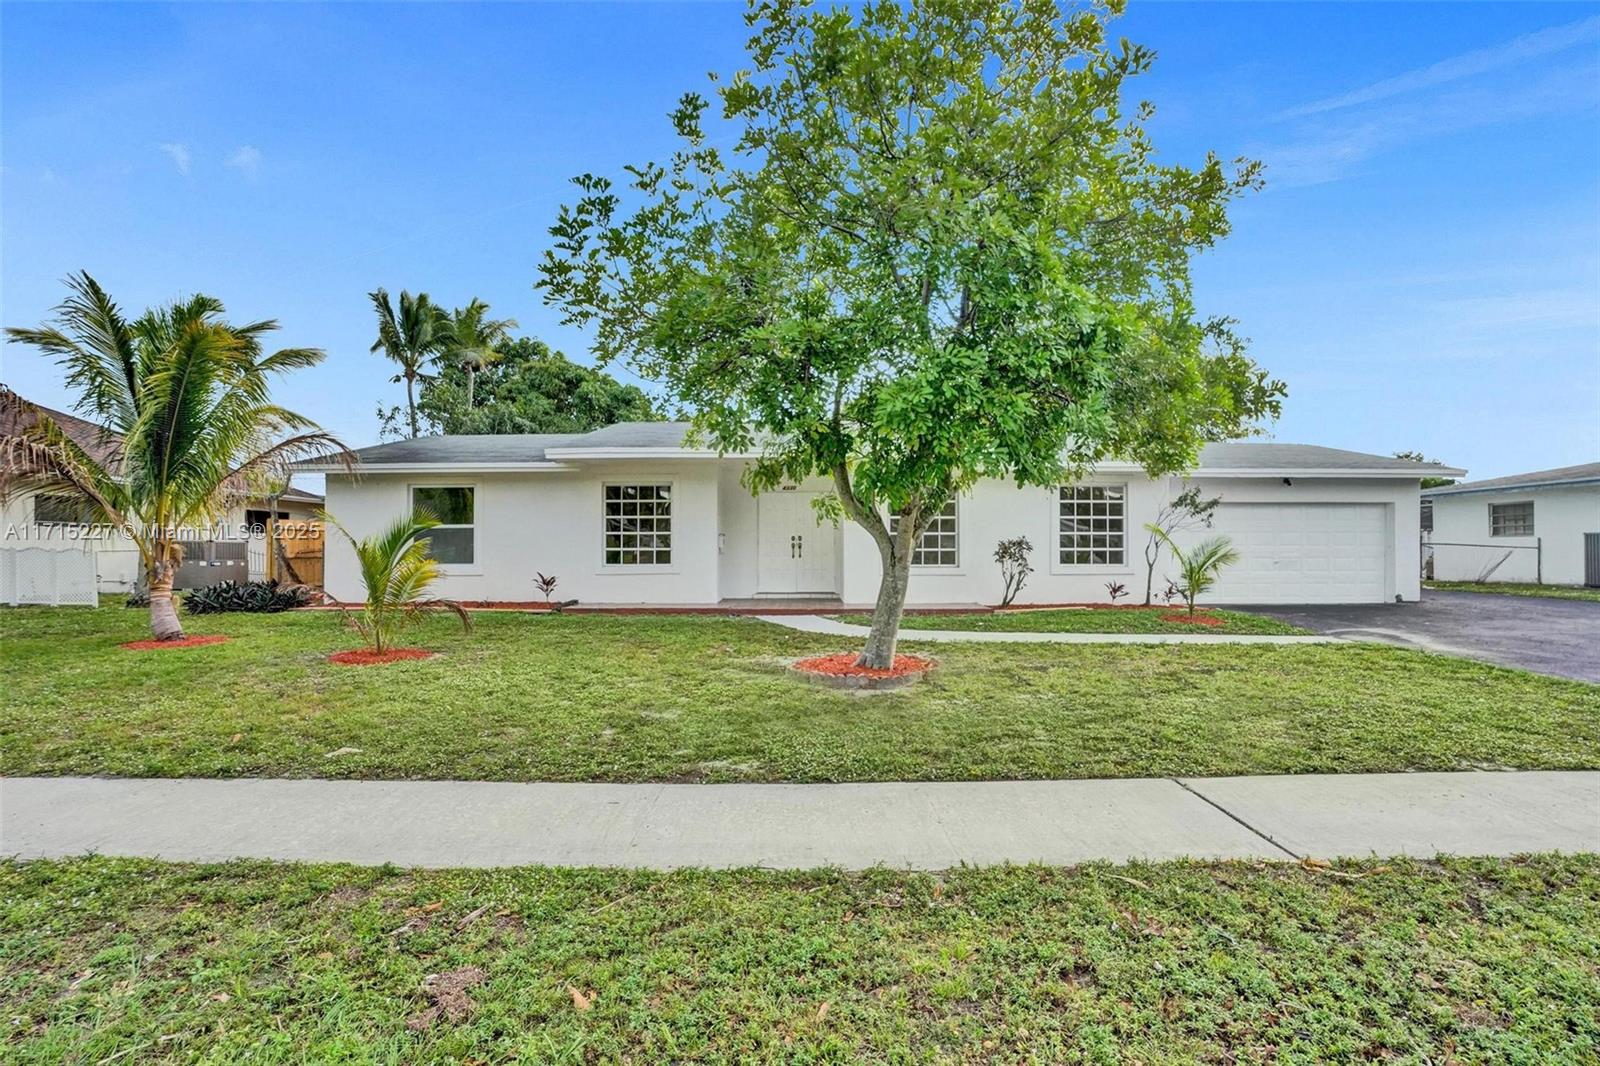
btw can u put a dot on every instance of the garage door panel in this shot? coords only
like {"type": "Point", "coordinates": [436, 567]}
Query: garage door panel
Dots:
{"type": "Point", "coordinates": [1304, 553]}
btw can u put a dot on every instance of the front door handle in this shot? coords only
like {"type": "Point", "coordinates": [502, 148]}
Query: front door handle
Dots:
{"type": "Point", "coordinates": [799, 547]}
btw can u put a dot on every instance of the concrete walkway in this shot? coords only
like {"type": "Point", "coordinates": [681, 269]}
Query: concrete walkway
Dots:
{"type": "Point", "coordinates": [916, 825]}
{"type": "Point", "coordinates": [814, 623]}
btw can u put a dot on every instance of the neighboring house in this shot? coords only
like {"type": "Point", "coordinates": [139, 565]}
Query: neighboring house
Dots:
{"type": "Point", "coordinates": [1545, 526]}
{"type": "Point", "coordinates": [36, 519]}
{"type": "Point", "coordinates": [629, 514]}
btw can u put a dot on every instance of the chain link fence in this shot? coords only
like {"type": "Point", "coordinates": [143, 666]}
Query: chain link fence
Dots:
{"type": "Point", "coordinates": [56, 577]}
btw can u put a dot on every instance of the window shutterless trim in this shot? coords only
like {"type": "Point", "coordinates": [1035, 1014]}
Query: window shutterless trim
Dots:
{"type": "Point", "coordinates": [1110, 541]}
{"type": "Point", "coordinates": [660, 517]}
{"type": "Point", "coordinates": [474, 566]}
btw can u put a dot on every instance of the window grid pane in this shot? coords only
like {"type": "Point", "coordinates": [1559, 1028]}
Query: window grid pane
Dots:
{"type": "Point", "coordinates": [1511, 519]}
{"type": "Point", "coordinates": [1091, 520]}
{"type": "Point", "coordinates": [938, 545]}
{"type": "Point", "coordinates": [638, 525]}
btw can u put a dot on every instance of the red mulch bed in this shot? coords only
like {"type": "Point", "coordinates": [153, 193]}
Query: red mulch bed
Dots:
{"type": "Point", "coordinates": [368, 657]}
{"type": "Point", "coordinates": [845, 666]}
{"type": "Point", "coordinates": [1198, 620]}
{"type": "Point", "coordinates": [157, 645]}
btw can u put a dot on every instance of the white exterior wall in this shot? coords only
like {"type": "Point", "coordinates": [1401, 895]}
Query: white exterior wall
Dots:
{"type": "Point", "coordinates": [116, 559]}
{"type": "Point", "coordinates": [1561, 516]}
{"type": "Point", "coordinates": [546, 521]}
{"type": "Point", "coordinates": [551, 521]}
{"type": "Point", "coordinates": [997, 510]}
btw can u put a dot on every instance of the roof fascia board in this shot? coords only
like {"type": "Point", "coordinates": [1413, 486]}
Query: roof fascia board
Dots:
{"type": "Point", "coordinates": [1469, 490]}
{"type": "Point", "coordinates": [429, 468]}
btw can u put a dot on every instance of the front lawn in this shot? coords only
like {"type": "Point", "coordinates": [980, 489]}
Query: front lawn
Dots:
{"type": "Point", "coordinates": [1461, 960]}
{"type": "Point", "coordinates": [1090, 620]}
{"type": "Point", "coordinates": [661, 698]}
{"type": "Point", "coordinates": [1519, 588]}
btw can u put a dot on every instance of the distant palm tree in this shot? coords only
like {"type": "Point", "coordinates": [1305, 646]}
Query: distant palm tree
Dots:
{"type": "Point", "coordinates": [411, 338]}
{"type": "Point", "coordinates": [184, 399]}
{"type": "Point", "coordinates": [396, 570]}
{"type": "Point", "coordinates": [472, 340]}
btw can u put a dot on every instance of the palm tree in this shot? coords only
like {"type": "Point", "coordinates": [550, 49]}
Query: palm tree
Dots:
{"type": "Point", "coordinates": [184, 397]}
{"type": "Point", "coordinates": [396, 570]}
{"type": "Point", "coordinates": [1200, 565]}
{"type": "Point", "coordinates": [472, 340]}
{"type": "Point", "coordinates": [411, 338]}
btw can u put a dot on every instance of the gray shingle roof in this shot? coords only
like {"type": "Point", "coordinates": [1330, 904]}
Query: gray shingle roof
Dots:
{"type": "Point", "coordinates": [1561, 475]}
{"type": "Point", "coordinates": [1269, 455]}
{"type": "Point", "coordinates": [500, 449]}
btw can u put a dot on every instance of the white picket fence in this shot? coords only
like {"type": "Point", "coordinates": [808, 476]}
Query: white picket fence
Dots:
{"type": "Point", "coordinates": [58, 577]}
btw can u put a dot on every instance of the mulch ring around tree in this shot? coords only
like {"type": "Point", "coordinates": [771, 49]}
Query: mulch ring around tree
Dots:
{"type": "Point", "coordinates": [1200, 619]}
{"type": "Point", "coordinates": [368, 657]}
{"type": "Point", "coordinates": [841, 671]}
{"type": "Point", "coordinates": [186, 642]}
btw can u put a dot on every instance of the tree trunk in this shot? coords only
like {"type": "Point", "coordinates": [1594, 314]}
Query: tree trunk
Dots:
{"type": "Point", "coordinates": [471, 381]}
{"type": "Point", "coordinates": [411, 403]}
{"type": "Point", "coordinates": [886, 614]}
{"type": "Point", "coordinates": [163, 612]}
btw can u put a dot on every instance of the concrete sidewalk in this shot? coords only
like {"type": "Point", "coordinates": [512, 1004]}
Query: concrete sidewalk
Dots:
{"type": "Point", "coordinates": [814, 623]}
{"type": "Point", "coordinates": [916, 825]}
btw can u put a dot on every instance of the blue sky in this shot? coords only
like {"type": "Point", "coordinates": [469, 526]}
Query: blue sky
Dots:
{"type": "Point", "coordinates": [1423, 269]}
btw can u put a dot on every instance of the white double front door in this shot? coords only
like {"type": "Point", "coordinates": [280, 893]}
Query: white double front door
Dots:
{"type": "Point", "coordinates": [797, 554]}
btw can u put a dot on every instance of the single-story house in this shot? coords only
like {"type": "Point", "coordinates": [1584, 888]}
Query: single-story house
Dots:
{"type": "Point", "coordinates": [1541, 526]}
{"type": "Point", "coordinates": [61, 522]}
{"type": "Point", "coordinates": [630, 514]}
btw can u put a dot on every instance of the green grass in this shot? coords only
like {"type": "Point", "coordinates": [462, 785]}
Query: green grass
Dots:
{"type": "Point", "coordinates": [1519, 588]}
{"type": "Point", "coordinates": [609, 698]}
{"type": "Point", "coordinates": [1089, 620]}
{"type": "Point", "coordinates": [1461, 960]}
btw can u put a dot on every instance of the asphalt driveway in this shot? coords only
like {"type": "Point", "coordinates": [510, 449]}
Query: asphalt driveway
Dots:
{"type": "Point", "coordinates": [1547, 636]}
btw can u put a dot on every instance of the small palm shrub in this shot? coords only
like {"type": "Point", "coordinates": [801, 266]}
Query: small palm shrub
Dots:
{"type": "Point", "coordinates": [260, 597]}
{"type": "Point", "coordinates": [1200, 565]}
{"type": "Point", "coordinates": [397, 571]}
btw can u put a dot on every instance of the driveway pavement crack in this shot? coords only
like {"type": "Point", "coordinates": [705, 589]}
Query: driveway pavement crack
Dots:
{"type": "Point", "coordinates": [1264, 836]}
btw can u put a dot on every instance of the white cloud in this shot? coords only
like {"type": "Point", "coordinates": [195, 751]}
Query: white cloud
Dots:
{"type": "Point", "coordinates": [179, 154]}
{"type": "Point", "coordinates": [1327, 149]}
{"type": "Point", "coordinates": [1467, 65]}
{"type": "Point", "coordinates": [246, 159]}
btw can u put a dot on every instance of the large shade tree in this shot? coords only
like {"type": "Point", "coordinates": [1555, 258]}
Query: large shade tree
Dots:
{"type": "Point", "coordinates": [941, 248]}
{"type": "Point", "coordinates": [185, 399]}
{"type": "Point", "coordinates": [532, 389]}
{"type": "Point", "coordinates": [412, 337]}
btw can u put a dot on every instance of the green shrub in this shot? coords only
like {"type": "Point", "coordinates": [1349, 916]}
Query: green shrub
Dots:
{"type": "Point", "coordinates": [260, 597]}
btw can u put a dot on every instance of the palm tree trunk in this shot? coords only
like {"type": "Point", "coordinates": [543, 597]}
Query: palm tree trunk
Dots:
{"type": "Point", "coordinates": [411, 403]}
{"type": "Point", "coordinates": [471, 381]}
{"type": "Point", "coordinates": [163, 612]}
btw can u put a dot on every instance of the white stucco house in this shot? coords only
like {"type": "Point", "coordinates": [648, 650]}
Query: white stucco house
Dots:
{"type": "Point", "coordinates": [1540, 526]}
{"type": "Point", "coordinates": [629, 514]}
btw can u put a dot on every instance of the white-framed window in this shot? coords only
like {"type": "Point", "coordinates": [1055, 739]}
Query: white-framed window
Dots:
{"type": "Point", "coordinates": [638, 524]}
{"type": "Point", "coordinates": [453, 541]}
{"type": "Point", "coordinates": [1426, 516]}
{"type": "Point", "coordinates": [59, 509]}
{"type": "Point", "coordinates": [1511, 519]}
{"type": "Point", "coordinates": [1092, 523]}
{"type": "Point", "coordinates": [938, 545]}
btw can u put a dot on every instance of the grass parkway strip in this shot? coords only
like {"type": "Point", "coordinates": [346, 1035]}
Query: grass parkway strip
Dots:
{"type": "Point", "coordinates": [1465, 960]}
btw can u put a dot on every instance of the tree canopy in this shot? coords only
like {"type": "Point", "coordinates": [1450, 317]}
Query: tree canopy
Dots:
{"type": "Point", "coordinates": [942, 247]}
{"type": "Point", "coordinates": [531, 388]}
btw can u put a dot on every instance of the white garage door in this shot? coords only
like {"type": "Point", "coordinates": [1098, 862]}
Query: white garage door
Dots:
{"type": "Point", "coordinates": [1304, 553]}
